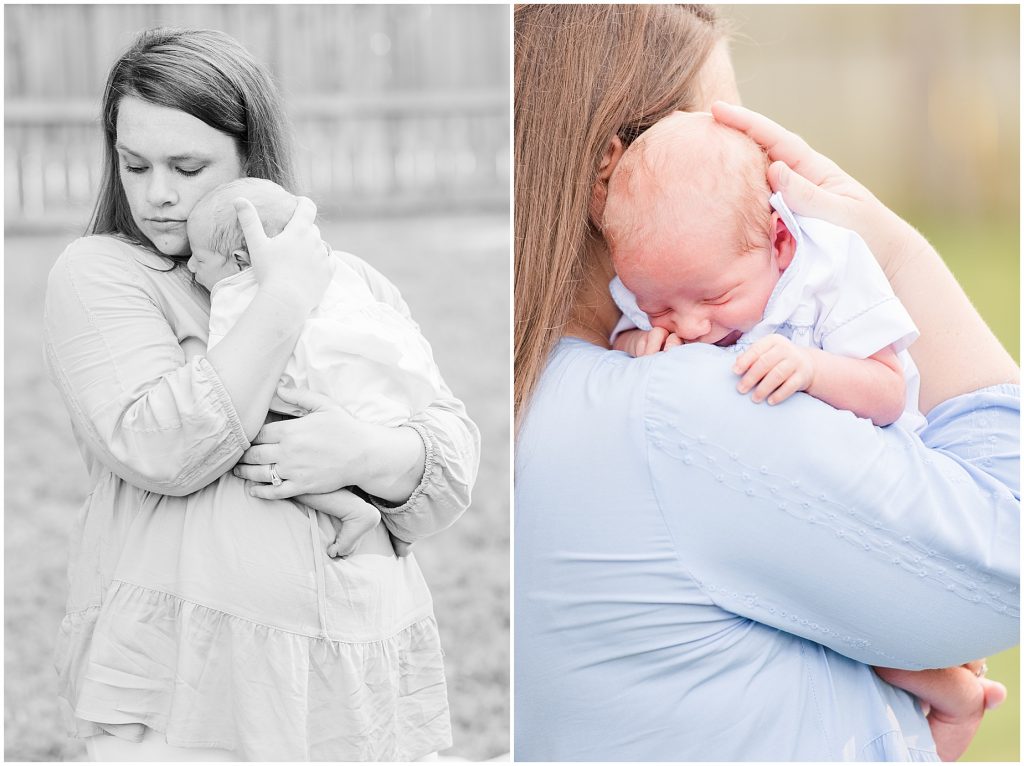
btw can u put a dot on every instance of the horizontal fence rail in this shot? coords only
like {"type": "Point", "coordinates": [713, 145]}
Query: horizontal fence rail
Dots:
{"type": "Point", "coordinates": [395, 109]}
{"type": "Point", "coordinates": [358, 155]}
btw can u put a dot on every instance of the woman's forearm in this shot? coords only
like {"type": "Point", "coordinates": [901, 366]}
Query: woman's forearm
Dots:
{"type": "Point", "coordinates": [863, 539]}
{"type": "Point", "coordinates": [957, 352]}
{"type": "Point", "coordinates": [396, 461]}
{"type": "Point", "coordinates": [451, 442]}
{"type": "Point", "coordinates": [252, 355]}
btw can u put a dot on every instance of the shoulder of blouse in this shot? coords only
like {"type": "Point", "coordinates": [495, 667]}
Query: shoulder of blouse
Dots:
{"type": "Point", "coordinates": [109, 248]}
{"type": "Point", "coordinates": [103, 260]}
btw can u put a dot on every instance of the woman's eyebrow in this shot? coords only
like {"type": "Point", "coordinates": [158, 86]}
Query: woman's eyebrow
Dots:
{"type": "Point", "coordinates": [122, 148]}
{"type": "Point", "coordinates": [173, 158]}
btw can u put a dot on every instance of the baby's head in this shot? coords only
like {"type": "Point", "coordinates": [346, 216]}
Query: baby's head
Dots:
{"type": "Point", "coordinates": [691, 231]}
{"type": "Point", "coordinates": [218, 247]}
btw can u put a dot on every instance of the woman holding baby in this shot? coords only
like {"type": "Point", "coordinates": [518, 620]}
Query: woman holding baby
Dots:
{"type": "Point", "coordinates": [699, 577]}
{"type": "Point", "coordinates": [205, 620]}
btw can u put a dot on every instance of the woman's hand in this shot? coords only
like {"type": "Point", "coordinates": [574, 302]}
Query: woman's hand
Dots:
{"type": "Point", "coordinates": [957, 353]}
{"type": "Point", "coordinates": [329, 449]}
{"type": "Point", "coordinates": [294, 266]}
{"type": "Point", "coordinates": [812, 184]}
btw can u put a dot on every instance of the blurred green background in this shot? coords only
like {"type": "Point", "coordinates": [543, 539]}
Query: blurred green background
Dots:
{"type": "Point", "coordinates": [921, 103]}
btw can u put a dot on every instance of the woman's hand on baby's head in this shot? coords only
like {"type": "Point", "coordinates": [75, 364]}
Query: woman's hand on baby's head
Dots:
{"type": "Point", "coordinates": [811, 183]}
{"type": "Point", "coordinates": [293, 266]}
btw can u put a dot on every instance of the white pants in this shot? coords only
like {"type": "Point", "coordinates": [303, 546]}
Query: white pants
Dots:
{"type": "Point", "coordinates": [106, 747]}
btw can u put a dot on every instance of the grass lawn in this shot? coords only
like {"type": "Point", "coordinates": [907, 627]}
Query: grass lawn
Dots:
{"type": "Point", "coordinates": [454, 273]}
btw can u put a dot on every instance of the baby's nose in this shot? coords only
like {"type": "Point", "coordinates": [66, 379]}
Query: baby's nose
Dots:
{"type": "Point", "coordinates": [191, 265]}
{"type": "Point", "coordinates": [692, 328]}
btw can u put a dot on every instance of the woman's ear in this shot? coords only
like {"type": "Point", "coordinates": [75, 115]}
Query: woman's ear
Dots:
{"type": "Point", "coordinates": [599, 194]}
{"type": "Point", "coordinates": [783, 242]}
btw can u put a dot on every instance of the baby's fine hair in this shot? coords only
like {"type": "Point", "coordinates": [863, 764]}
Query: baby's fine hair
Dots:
{"type": "Point", "coordinates": [274, 205]}
{"type": "Point", "coordinates": [738, 177]}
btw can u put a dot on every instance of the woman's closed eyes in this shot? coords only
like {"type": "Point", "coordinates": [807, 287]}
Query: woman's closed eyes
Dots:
{"type": "Point", "coordinates": [181, 171]}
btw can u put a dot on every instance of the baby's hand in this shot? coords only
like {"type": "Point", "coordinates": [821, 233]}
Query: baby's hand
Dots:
{"type": "Point", "coordinates": [350, 515]}
{"type": "Point", "coordinates": [645, 343]}
{"type": "Point", "coordinates": [777, 368]}
{"type": "Point", "coordinates": [954, 700]}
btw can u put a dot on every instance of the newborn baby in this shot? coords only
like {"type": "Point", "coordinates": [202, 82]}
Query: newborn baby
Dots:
{"type": "Point", "coordinates": [705, 253]}
{"type": "Point", "coordinates": [360, 352]}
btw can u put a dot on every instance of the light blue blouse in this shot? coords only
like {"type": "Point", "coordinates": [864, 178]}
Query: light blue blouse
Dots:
{"type": "Point", "coordinates": [703, 578]}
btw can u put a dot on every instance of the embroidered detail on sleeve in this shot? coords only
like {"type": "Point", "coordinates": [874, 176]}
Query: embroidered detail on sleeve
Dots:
{"type": "Point", "coordinates": [813, 506]}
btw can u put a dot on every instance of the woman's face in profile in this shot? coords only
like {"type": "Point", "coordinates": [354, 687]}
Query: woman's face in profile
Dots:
{"type": "Point", "coordinates": [167, 161]}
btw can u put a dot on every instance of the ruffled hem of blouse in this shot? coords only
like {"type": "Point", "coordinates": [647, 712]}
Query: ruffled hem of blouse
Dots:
{"type": "Point", "coordinates": [205, 678]}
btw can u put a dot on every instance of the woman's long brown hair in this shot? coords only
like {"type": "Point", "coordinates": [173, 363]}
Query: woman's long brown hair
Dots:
{"type": "Point", "coordinates": [206, 74]}
{"type": "Point", "coordinates": [583, 74]}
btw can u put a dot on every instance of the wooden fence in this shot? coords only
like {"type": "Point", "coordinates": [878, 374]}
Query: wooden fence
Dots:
{"type": "Point", "coordinates": [395, 108]}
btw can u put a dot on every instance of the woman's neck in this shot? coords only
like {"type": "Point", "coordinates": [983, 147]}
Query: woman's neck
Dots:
{"type": "Point", "coordinates": [594, 313]}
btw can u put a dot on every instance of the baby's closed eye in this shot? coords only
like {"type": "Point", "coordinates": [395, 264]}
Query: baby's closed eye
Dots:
{"type": "Point", "coordinates": [719, 299]}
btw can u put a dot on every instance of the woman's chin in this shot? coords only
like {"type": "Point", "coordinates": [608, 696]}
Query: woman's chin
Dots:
{"type": "Point", "coordinates": [170, 244]}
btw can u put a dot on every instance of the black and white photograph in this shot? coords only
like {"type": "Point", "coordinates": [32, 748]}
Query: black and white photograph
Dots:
{"type": "Point", "coordinates": [257, 310]}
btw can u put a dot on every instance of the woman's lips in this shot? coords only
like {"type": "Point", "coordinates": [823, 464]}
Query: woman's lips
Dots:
{"type": "Point", "coordinates": [165, 224]}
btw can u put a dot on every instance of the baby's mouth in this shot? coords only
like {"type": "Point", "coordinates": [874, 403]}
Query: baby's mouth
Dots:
{"type": "Point", "coordinates": [729, 339]}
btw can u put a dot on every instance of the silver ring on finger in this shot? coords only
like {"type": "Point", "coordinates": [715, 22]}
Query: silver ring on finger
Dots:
{"type": "Point", "coordinates": [274, 478]}
{"type": "Point", "coordinates": [982, 670]}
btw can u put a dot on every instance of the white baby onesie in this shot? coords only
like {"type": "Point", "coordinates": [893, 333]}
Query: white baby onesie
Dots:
{"type": "Point", "coordinates": [834, 296]}
{"type": "Point", "coordinates": [360, 352]}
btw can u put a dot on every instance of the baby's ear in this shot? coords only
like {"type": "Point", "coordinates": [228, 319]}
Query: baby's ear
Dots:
{"type": "Point", "coordinates": [241, 259]}
{"type": "Point", "coordinates": [783, 242]}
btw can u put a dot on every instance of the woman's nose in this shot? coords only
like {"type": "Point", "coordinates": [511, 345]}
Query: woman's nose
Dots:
{"type": "Point", "coordinates": [161, 190]}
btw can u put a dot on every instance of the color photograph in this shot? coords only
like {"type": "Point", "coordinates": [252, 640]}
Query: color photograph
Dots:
{"type": "Point", "coordinates": [766, 382]}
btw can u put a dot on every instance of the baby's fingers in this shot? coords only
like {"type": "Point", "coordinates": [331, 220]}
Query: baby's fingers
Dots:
{"type": "Point", "coordinates": [654, 341]}
{"type": "Point", "coordinates": [789, 387]}
{"type": "Point", "coordinates": [772, 380]}
{"type": "Point", "coordinates": [753, 354]}
{"type": "Point", "coordinates": [744, 360]}
{"type": "Point", "coordinates": [762, 363]}
{"type": "Point", "coordinates": [353, 529]}
{"type": "Point", "coordinates": [672, 341]}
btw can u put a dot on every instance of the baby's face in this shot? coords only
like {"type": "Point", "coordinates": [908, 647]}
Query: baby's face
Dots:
{"type": "Point", "coordinates": [703, 288]}
{"type": "Point", "coordinates": [691, 231]}
{"type": "Point", "coordinates": [207, 264]}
